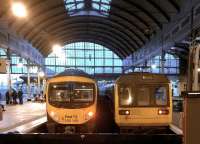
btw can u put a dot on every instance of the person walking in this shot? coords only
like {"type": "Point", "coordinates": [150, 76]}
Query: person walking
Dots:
{"type": "Point", "coordinates": [20, 96]}
{"type": "Point", "coordinates": [2, 101]}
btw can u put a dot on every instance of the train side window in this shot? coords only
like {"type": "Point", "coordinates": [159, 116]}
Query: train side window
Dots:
{"type": "Point", "coordinates": [143, 96]}
{"type": "Point", "coordinates": [125, 96]}
{"type": "Point", "coordinates": [161, 96]}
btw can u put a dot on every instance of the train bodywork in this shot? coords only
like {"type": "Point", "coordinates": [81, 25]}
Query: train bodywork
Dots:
{"type": "Point", "coordinates": [71, 98]}
{"type": "Point", "coordinates": [142, 100]}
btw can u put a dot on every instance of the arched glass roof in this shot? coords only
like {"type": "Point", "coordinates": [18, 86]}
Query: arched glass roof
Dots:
{"type": "Point", "coordinates": [84, 7]}
{"type": "Point", "coordinates": [89, 57]}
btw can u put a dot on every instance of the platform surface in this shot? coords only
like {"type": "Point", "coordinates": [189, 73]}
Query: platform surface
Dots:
{"type": "Point", "coordinates": [17, 115]}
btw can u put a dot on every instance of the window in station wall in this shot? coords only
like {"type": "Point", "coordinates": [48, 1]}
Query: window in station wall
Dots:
{"type": "Point", "coordinates": [153, 65]}
{"type": "Point", "coordinates": [16, 60]}
{"type": "Point", "coordinates": [89, 57]}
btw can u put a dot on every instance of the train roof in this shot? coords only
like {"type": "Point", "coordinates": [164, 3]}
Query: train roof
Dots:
{"type": "Point", "coordinates": [139, 77]}
{"type": "Point", "coordinates": [73, 72]}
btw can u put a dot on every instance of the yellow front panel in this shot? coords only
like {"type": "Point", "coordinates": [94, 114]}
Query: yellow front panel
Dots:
{"type": "Point", "coordinates": [141, 116]}
{"type": "Point", "coordinates": [71, 116]}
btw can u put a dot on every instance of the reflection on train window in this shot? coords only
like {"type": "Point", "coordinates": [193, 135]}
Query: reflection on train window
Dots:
{"type": "Point", "coordinates": [161, 96]}
{"type": "Point", "coordinates": [125, 96]}
{"type": "Point", "coordinates": [143, 96]}
{"type": "Point", "coordinates": [83, 92]}
{"type": "Point", "coordinates": [59, 93]}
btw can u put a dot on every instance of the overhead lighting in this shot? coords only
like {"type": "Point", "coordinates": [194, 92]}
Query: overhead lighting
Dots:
{"type": "Point", "coordinates": [57, 49]}
{"type": "Point", "coordinates": [198, 69]}
{"type": "Point", "coordinates": [19, 9]}
{"type": "Point", "coordinates": [41, 74]}
{"type": "Point", "coordinates": [153, 66]}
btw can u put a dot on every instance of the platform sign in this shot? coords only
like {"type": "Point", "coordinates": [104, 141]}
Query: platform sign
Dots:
{"type": "Point", "coordinates": [3, 65]}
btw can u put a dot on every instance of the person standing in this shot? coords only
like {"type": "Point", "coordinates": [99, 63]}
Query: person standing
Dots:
{"type": "Point", "coordinates": [2, 101]}
{"type": "Point", "coordinates": [8, 95]}
{"type": "Point", "coordinates": [14, 96]}
{"type": "Point", "coordinates": [20, 96]}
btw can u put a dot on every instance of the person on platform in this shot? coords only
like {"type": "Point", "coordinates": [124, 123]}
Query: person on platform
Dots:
{"type": "Point", "coordinates": [8, 97]}
{"type": "Point", "coordinates": [20, 96]}
{"type": "Point", "coordinates": [2, 101]}
{"type": "Point", "coordinates": [14, 96]}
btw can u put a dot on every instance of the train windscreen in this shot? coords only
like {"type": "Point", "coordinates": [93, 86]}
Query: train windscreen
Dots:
{"type": "Point", "coordinates": [71, 94]}
{"type": "Point", "coordinates": [143, 95]}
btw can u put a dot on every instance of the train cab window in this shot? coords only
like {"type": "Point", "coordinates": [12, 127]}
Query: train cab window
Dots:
{"type": "Point", "coordinates": [161, 96]}
{"type": "Point", "coordinates": [71, 95]}
{"type": "Point", "coordinates": [143, 96]}
{"type": "Point", "coordinates": [83, 92]}
{"type": "Point", "coordinates": [125, 96]}
{"type": "Point", "coordinates": [59, 92]}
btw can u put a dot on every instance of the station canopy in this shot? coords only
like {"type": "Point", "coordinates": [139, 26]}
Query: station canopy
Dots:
{"type": "Point", "coordinates": [123, 26]}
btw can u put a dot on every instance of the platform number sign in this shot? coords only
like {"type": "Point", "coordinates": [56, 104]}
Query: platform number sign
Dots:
{"type": "Point", "coordinates": [3, 65]}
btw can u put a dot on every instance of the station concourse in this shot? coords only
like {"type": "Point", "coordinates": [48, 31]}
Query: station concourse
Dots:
{"type": "Point", "coordinates": [61, 62]}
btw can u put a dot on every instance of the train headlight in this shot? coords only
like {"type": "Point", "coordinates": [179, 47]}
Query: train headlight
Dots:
{"type": "Point", "coordinates": [163, 112]}
{"type": "Point", "coordinates": [90, 114]}
{"type": "Point", "coordinates": [52, 114]}
{"type": "Point", "coordinates": [124, 112]}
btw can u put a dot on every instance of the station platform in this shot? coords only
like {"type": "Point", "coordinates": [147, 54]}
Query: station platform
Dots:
{"type": "Point", "coordinates": [177, 123]}
{"type": "Point", "coordinates": [18, 115]}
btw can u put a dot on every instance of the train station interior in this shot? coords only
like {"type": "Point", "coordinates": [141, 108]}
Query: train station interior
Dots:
{"type": "Point", "coordinates": [132, 65]}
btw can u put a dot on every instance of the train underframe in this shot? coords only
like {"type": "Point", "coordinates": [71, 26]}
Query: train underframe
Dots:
{"type": "Point", "coordinates": [145, 129]}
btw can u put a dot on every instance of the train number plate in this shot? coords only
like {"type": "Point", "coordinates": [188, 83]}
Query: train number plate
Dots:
{"type": "Point", "coordinates": [71, 118]}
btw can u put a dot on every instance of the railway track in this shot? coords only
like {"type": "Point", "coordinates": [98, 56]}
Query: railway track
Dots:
{"type": "Point", "coordinates": [93, 138]}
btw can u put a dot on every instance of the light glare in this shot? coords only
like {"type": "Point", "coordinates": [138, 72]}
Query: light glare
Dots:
{"type": "Point", "coordinates": [19, 9]}
{"type": "Point", "coordinates": [41, 74]}
{"type": "Point", "coordinates": [57, 50]}
{"type": "Point", "coordinates": [52, 113]}
{"type": "Point", "coordinates": [127, 113]}
{"type": "Point", "coordinates": [90, 114]}
{"type": "Point", "coordinates": [153, 66]}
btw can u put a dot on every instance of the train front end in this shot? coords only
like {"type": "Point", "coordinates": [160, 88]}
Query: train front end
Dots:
{"type": "Point", "coordinates": [143, 100]}
{"type": "Point", "coordinates": [71, 103]}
